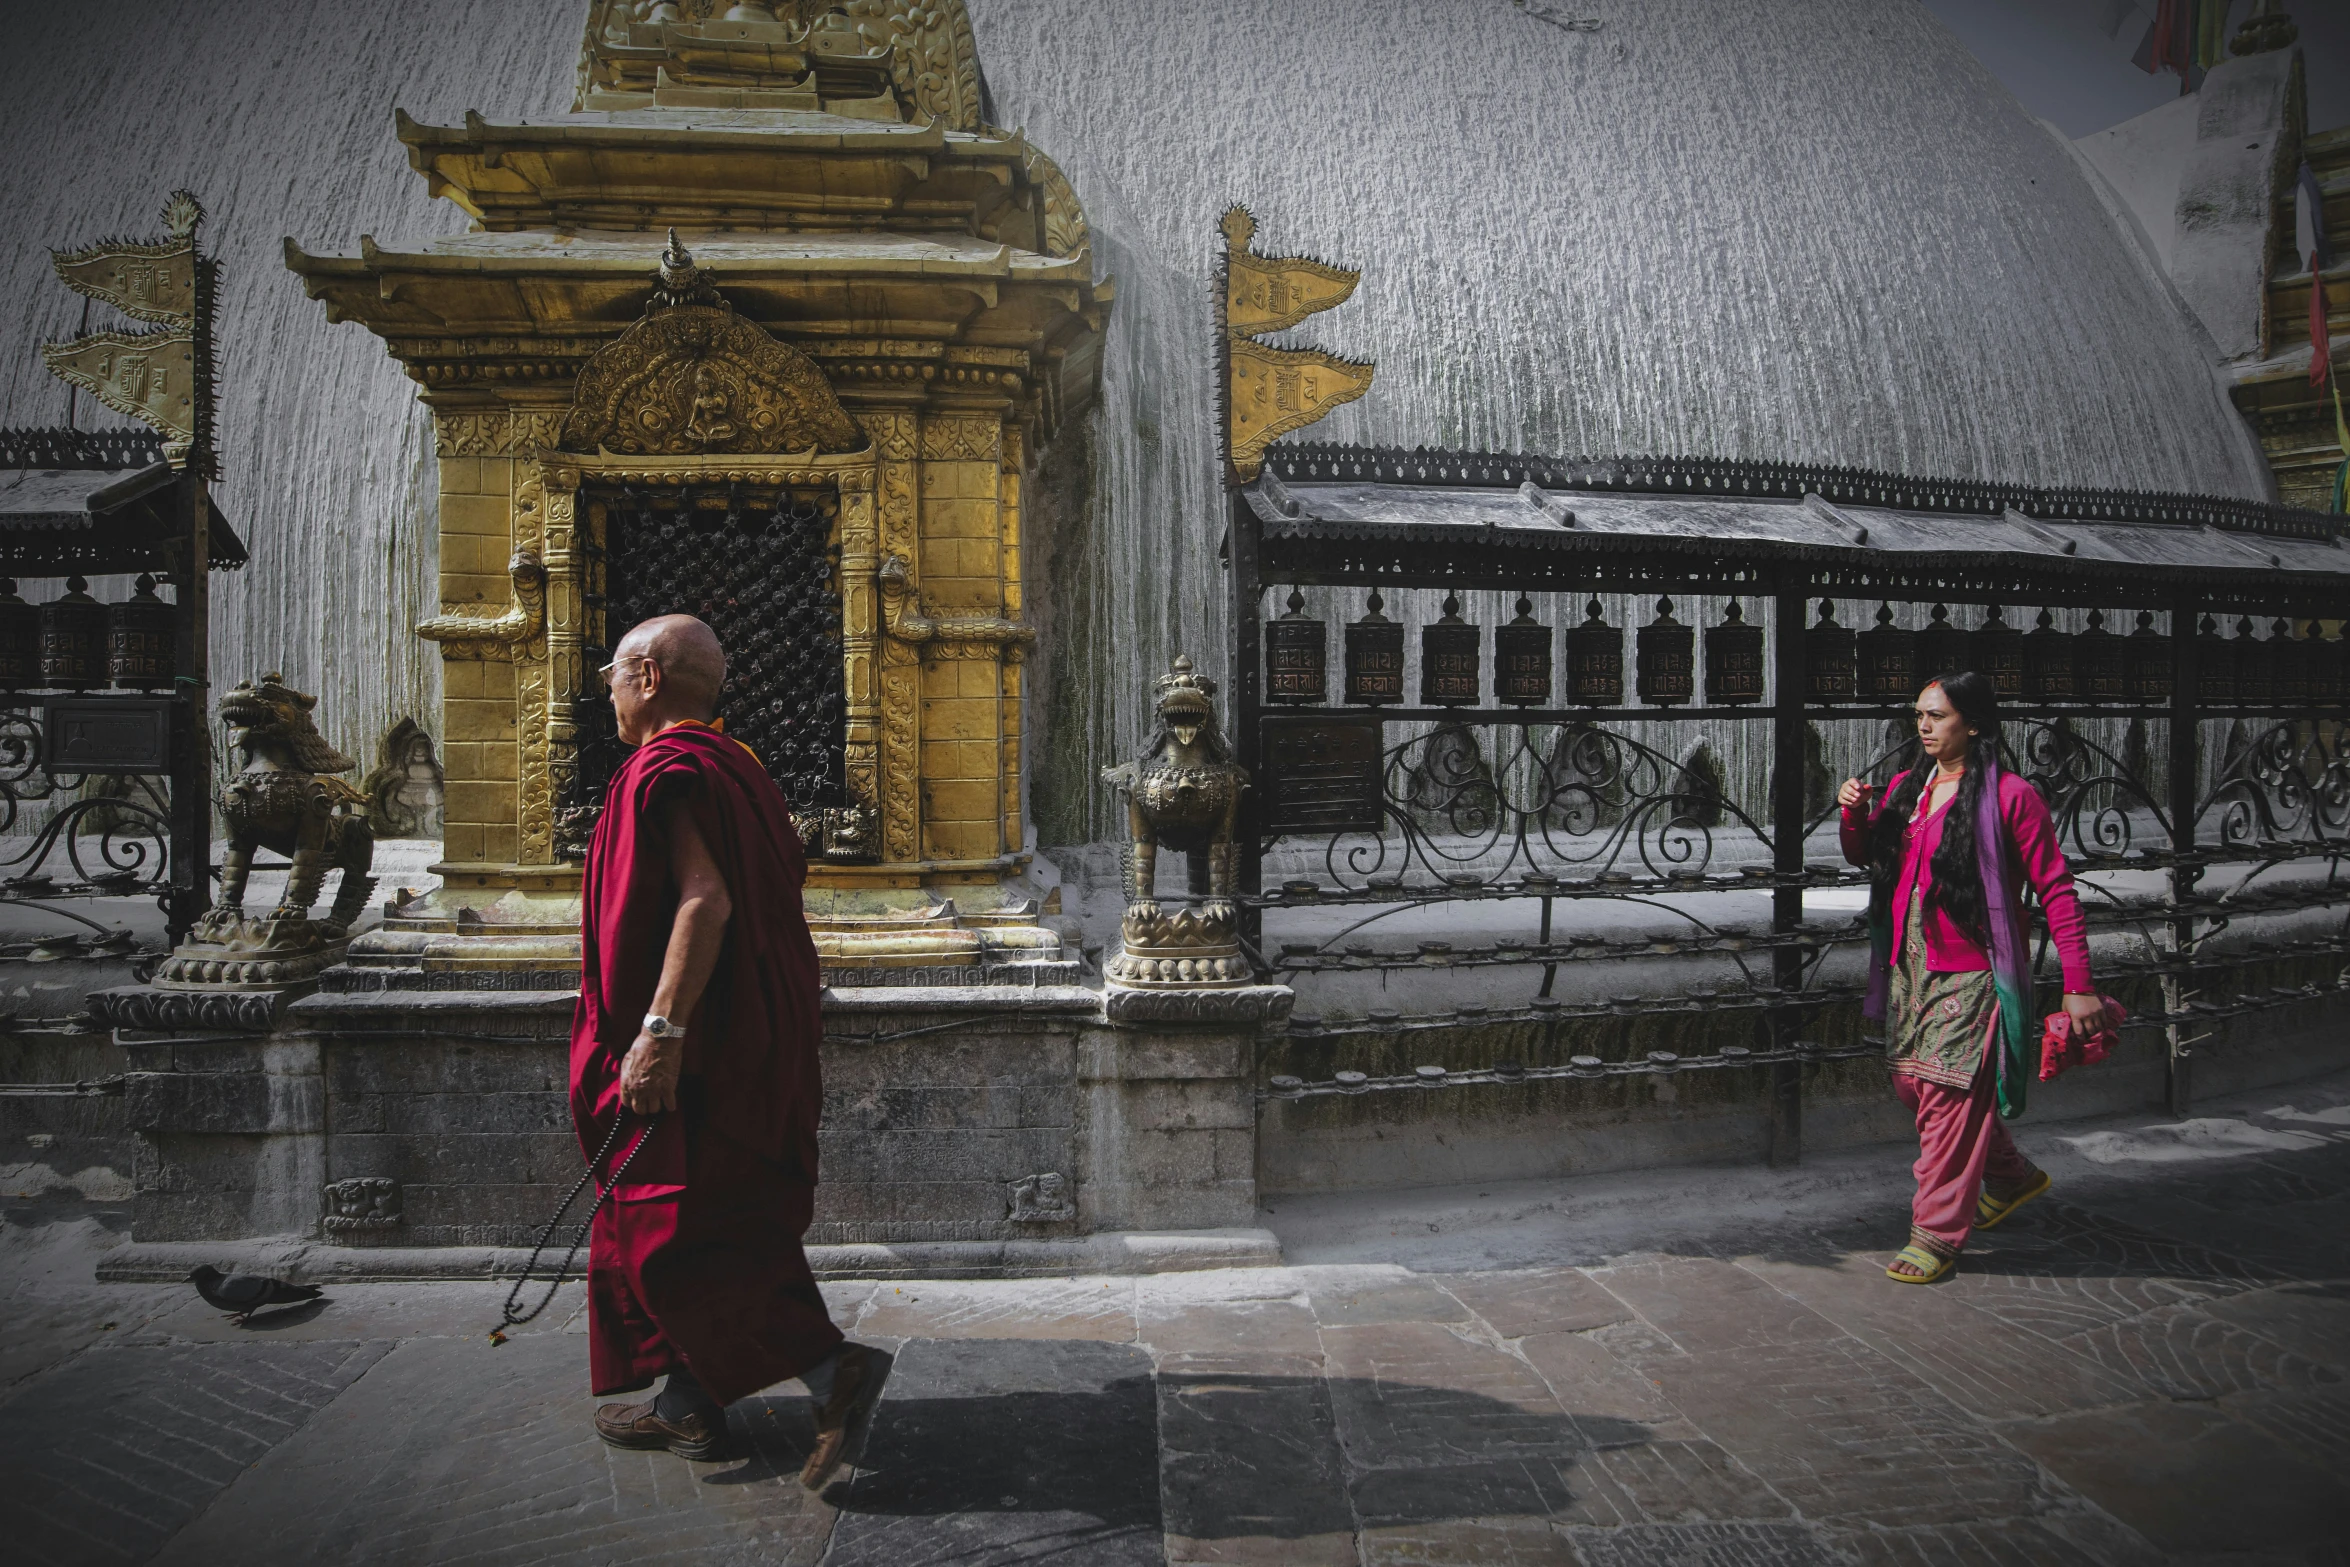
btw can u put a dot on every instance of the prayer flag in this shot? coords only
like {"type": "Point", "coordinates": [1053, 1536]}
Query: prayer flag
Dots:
{"type": "Point", "coordinates": [2170, 42]}
{"type": "Point", "coordinates": [2309, 218]}
{"type": "Point", "coordinates": [2321, 346]}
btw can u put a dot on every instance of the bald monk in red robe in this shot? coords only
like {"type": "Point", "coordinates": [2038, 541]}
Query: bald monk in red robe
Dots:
{"type": "Point", "coordinates": [697, 1033]}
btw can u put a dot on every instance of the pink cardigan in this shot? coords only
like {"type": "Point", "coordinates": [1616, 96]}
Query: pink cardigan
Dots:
{"type": "Point", "coordinates": [2032, 848]}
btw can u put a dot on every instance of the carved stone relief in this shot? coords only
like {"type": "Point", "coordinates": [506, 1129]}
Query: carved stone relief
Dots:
{"type": "Point", "coordinates": [405, 789]}
{"type": "Point", "coordinates": [1042, 1199]}
{"type": "Point", "coordinates": [693, 378]}
{"type": "Point", "coordinates": [363, 1207]}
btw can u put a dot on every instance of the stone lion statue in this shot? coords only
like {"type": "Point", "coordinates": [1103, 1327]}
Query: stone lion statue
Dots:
{"type": "Point", "coordinates": [1182, 793]}
{"type": "Point", "coordinates": [288, 800]}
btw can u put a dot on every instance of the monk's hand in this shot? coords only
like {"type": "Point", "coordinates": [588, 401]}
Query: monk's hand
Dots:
{"type": "Point", "coordinates": [2087, 1013]}
{"type": "Point", "coordinates": [648, 1074]}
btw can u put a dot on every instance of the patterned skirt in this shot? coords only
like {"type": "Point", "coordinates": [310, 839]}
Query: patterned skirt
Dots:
{"type": "Point", "coordinates": [1936, 1025]}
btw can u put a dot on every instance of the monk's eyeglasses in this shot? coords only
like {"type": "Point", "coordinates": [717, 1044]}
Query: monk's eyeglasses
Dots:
{"type": "Point", "coordinates": [605, 674]}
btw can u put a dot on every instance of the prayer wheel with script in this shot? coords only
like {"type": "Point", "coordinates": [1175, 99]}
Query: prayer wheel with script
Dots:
{"type": "Point", "coordinates": [1733, 660]}
{"type": "Point", "coordinates": [1522, 660]}
{"type": "Point", "coordinates": [1374, 657]}
{"type": "Point", "coordinates": [1297, 656]}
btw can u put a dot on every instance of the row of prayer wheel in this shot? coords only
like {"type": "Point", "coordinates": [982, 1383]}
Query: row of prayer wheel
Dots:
{"type": "Point", "coordinates": [1886, 663]}
{"type": "Point", "coordinates": [75, 643]}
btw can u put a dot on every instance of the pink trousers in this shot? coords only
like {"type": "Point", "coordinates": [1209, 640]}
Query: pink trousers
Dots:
{"type": "Point", "coordinates": [1961, 1143]}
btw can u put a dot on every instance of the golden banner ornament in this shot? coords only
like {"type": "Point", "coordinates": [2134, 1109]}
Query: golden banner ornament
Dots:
{"type": "Point", "coordinates": [150, 376]}
{"type": "Point", "coordinates": [1269, 392]}
{"type": "Point", "coordinates": [1277, 390]}
{"type": "Point", "coordinates": [145, 282]}
{"type": "Point", "coordinates": [1272, 294]}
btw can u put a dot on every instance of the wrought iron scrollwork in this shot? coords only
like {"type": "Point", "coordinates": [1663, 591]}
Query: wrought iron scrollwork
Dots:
{"type": "Point", "coordinates": [1548, 802]}
{"type": "Point", "coordinates": [2095, 798]}
{"type": "Point", "coordinates": [112, 844]}
{"type": "Point", "coordinates": [2289, 785]}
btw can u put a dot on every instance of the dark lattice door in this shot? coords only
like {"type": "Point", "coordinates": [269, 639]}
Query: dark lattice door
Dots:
{"type": "Point", "coordinates": [763, 579]}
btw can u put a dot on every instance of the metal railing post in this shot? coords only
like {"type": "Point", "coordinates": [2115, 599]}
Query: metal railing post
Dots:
{"type": "Point", "coordinates": [1788, 733]}
{"type": "Point", "coordinates": [2185, 746]}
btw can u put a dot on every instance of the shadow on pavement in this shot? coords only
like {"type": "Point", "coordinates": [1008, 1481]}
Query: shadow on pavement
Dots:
{"type": "Point", "coordinates": [1025, 1449]}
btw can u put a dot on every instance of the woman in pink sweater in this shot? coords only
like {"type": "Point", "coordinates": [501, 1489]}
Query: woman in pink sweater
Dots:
{"type": "Point", "coordinates": [1949, 850]}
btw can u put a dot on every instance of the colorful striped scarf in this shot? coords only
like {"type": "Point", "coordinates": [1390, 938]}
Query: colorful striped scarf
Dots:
{"type": "Point", "coordinates": [2011, 961]}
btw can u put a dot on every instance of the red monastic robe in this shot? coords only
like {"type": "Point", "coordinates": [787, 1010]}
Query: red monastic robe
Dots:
{"type": "Point", "coordinates": [697, 1259]}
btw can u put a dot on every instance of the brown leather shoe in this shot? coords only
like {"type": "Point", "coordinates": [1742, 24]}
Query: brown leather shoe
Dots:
{"type": "Point", "coordinates": [841, 1424]}
{"type": "Point", "coordinates": [698, 1436]}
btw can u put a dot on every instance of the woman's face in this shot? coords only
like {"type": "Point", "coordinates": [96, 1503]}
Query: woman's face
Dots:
{"type": "Point", "coordinates": [1941, 732]}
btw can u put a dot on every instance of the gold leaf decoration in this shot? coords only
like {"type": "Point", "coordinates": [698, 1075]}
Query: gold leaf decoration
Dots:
{"type": "Point", "coordinates": [1272, 294]}
{"type": "Point", "coordinates": [145, 282]}
{"type": "Point", "coordinates": [1269, 392]}
{"type": "Point", "coordinates": [697, 379]}
{"type": "Point", "coordinates": [1277, 390]}
{"type": "Point", "coordinates": [148, 375]}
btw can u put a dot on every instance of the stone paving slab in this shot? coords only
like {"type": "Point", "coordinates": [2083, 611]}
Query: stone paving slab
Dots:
{"type": "Point", "coordinates": [1536, 1300]}
{"type": "Point", "coordinates": [111, 1456]}
{"type": "Point", "coordinates": [2090, 1389]}
{"type": "Point", "coordinates": [2192, 1479]}
{"type": "Point", "coordinates": [1249, 1471]}
{"type": "Point", "coordinates": [1039, 1309]}
{"type": "Point", "coordinates": [1964, 1352]}
{"type": "Point", "coordinates": [460, 1454]}
{"type": "Point", "coordinates": [1027, 1451]}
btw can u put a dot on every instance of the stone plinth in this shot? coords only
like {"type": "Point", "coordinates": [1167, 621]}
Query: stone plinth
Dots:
{"type": "Point", "coordinates": [967, 1129]}
{"type": "Point", "coordinates": [1169, 1087]}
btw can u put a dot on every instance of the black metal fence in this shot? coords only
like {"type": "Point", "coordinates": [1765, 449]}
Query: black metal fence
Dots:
{"type": "Point", "coordinates": [105, 776]}
{"type": "Point", "coordinates": [2180, 722]}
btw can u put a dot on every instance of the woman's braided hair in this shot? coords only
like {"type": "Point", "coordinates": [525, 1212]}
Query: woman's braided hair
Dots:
{"type": "Point", "coordinates": [1958, 877]}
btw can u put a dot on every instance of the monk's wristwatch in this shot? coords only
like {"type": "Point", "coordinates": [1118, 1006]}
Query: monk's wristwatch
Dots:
{"type": "Point", "coordinates": [661, 1028]}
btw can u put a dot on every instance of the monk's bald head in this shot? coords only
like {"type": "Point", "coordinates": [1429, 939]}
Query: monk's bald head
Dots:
{"type": "Point", "coordinates": [693, 665]}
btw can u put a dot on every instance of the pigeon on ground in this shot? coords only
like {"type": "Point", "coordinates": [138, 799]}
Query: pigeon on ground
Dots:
{"type": "Point", "coordinates": [240, 1295]}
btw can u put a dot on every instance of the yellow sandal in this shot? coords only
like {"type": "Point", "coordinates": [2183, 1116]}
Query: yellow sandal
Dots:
{"type": "Point", "coordinates": [1930, 1265]}
{"type": "Point", "coordinates": [1990, 1210]}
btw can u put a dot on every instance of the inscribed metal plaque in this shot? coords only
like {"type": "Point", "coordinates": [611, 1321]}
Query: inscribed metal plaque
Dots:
{"type": "Point", "coordinates": [102, 734]}
{"type": "Point", "coordinates": [1321, 775]}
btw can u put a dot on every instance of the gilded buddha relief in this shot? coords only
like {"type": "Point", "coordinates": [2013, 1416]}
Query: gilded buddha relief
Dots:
{"type": "Point", "coordinates": [694, 378]}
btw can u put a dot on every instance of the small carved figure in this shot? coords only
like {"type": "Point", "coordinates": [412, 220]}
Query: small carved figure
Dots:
{"type": "Point", "coordinates": [1042, 1199]}
{"type": "Point", "coordinates": [405, 789]}
{"type": "Point", "coordinates": [363, 1204]}
{"type": "Point", "coordinates": [711, 419]}
{"type": "Point", "coordinates": [1182, 793]}
{"type": "Point", "coordinates": [288, 801]}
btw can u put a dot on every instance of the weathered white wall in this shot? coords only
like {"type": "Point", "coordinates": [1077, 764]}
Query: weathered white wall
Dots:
{"type": "Point", "coordinates": [1806, 229]}
{"type": "Point", "coordinates": [280, 120]}
{"type": "Point", "coordinates": [2143, 159]}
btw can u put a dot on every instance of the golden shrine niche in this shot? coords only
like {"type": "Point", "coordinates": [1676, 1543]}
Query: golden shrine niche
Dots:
{"type": "Point", "coordinates": [846, 292]}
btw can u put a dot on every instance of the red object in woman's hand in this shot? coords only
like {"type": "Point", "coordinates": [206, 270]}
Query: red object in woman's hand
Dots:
{"type": "Point", "coordinates": [2063, 1047]}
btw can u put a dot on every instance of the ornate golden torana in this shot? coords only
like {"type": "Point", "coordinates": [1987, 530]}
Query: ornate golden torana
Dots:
{"type": "Point", "coordinates": [692, 378]}
{"type": "Point", "coordinates": [774, 250]}
{"type": "Point", "coordinates": [1268, 392]}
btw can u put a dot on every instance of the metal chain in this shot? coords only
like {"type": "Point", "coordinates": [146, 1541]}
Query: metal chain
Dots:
{"type": "Point", "coordinates": [514, 1318]}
